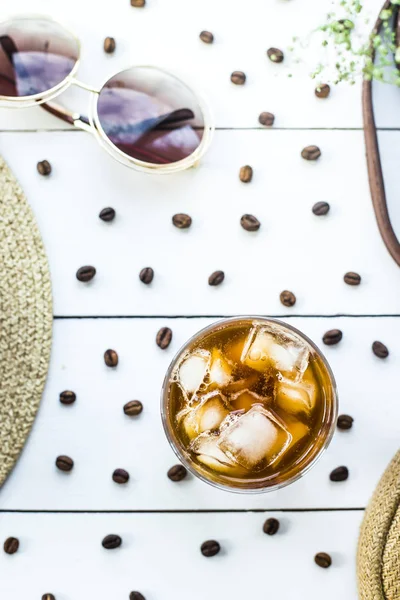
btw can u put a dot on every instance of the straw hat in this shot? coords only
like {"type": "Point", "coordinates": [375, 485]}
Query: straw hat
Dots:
{"type": "Point", "coordinates": [378, 556]}
{"type": "Point", "coordinates": [25, 319]}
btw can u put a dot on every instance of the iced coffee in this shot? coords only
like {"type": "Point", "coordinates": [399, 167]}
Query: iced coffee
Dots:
{"type": "Point", "coordinates": [249, 404]}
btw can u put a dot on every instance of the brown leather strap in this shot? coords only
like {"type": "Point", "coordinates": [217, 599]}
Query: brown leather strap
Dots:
{"type": "Point", "coordinates": [375, 176]}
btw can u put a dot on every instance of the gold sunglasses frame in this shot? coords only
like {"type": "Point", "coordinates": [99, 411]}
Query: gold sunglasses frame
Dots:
{"type": "Point", "coordinates": [92, 124]}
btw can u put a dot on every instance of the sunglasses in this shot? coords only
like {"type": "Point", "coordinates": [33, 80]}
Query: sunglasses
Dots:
{"type": "Point", "coordinates": [144, 116]}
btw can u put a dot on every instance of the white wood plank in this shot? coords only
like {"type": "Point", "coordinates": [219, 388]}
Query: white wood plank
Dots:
{"type": "Point", "coordinates": [160, 556]}
{"type": "Point", "coordinates": [293, 250]}
{"type": "Point", "coordinates": [166, 34]}
{"type": "Point", "coordinates": [100, 438]}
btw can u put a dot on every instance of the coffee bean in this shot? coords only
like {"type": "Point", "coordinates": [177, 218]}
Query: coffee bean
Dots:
{"type": "Point", "coordinates": [246, 174]}
{"type": "Point", "coordinates": [311, 153]}
{"type": "Point", "coordinates": [110, 358]}
{"type": "Point", "coordinates": [164, 337]}
{"type": "Point", "coordinates": [250, 223]}
{"type": "Point", "coordinates": [339, 474]}
{"type": "Point", "coordinates": [344, 422]}
{"type": "Point", "coordinates": [67, 397]}
{"type": "Point", "coordinates": [332, 337]}
{"type": "Point", "coordinates": [64, 463]}
{"type": "Point", "coordinates": [133, 408]}
{"type": "Point", "coordinates": [177, 473]}
{"type": "Point", "coordinates": [136, 596]}
{"type": "Point", "coordinates": [11, 545]}
{"type": "Point", "coordinates": [266, 118]}
{"type": "Point", "coordinates": [323, 560]}
{"type": "Point", "coordinates": [138, 3]}
{"type": "Point", "coordinates": [271, 526]}
{"type": "Point", "coordinates": [146, 275]}
{"type": "Point", "coordinates": [380, 350]}
{"type": "Point", "coordinates": [238, 77]}
{"type": "Point", "coordinates": [322, 90]}
{"type": "Point", "coordinates": [352, 278]}
{"type": "Point", "coordinates": [111, 541]}
{"type": "Point", "coordinates": [216, 278]}
{"type": "Point", "coordinates": [320, 209]}
{"type": "Point", "coordinates": [85, 273]}
{"type": "Point", "coordinates": [44, 167]}
{"type": "Point", "coordinates": [107, 214]}
{"type": "Point", "coordinates": [275, 55]}
{"type": "Point", "coordinates": [182, 221]}
{"type": "Point", "coordinates": [287, 298]}
{"type": "Point", "coordinates": [109, 45]}
{"type": "Point", "coordinates": [120, 476]}
{"type": "Point", "coordinates": [48, 597]}
{"type": "Point", "coordinates": [207, 37]}
{"type": "Point", "coordinates": [210, 548]}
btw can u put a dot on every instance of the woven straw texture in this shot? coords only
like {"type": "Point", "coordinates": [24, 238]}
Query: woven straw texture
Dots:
{"type": "Point", "coordinates": [378, 557]}
{"type": "Point", "coordinates": [25, 319]}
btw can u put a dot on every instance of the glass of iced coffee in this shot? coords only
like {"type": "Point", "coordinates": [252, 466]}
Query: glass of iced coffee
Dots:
{"type": "Point", "coordinates": [249, 404]}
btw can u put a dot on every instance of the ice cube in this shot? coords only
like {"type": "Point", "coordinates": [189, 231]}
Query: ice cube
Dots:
{"type": "Point", "coordinates": [206, 416]}
{"type": "Point", "coordinates": [193, 370]}
{"type": "Point", "coordinates": [296, 397]}
{"type": "Point", "coordinates": [256, 439]}
{"type": "Point", "coordinates": [220, 370]}
{"type": "Point", "coordinates": [267, 346]}
{"type": "Point", "coordinates": [205, 446]}
{"type": "Point", "coordinates": [245, 399]}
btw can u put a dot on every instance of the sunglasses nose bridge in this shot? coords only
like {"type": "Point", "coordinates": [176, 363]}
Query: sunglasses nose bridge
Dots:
{"type": "Point", "coordinates": [83, 86]}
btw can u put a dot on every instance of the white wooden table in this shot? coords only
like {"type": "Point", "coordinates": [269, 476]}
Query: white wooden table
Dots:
{"type": "Point", "coordinates": [61, 518]}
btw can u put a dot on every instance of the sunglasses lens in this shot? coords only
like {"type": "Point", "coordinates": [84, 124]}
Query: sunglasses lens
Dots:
{"type": "Point", "coordinates": [36, 55]}
{"type": "Point", "coordinates": [150, 115]}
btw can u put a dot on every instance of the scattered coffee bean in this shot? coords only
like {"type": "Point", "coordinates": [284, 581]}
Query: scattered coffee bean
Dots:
{"type": "Point", "coordinates": [210, 548]}
{"type": "Point", "coordinates": [322, 90]}
{"type": "Point", "coordinates": [287, 298]}
{"type": "Point", "coordinates": [238, 77]}
{"type": "Point", "coordinates": [216, 278]}
{"type": "Point", "coordinates": [323, 560]}
{"type": "Point", "coordinates": [339, 474]}
{"type": "Point", "coordinates": [133, 408]}
{"type": "Point", "coordinates": [250, 223]}
{"type": "Point", "coordinates": [311, 153]}
{"type": "Point", "coordinates": [246, 174]}
{"type": "Point", "coordinates": [332, 337]}
{"type": "Point", "coordinates": [136, 596]}
{"type": "Point", "coordinates": [275, 55]}
{"type": "Point", "coordinates": [85, 273]}
{"type": "Point", "coordinates": [271, 526]}
{"type": "Point", "coordinates": [207, 37]}
{"type": "Point", "coordinates": [109, 45]}
{"type": "Point", "coordinates": [67, 397]}
{"type": "Point", "coordinates": [164, 337]}
{"type": "Point", "coordinates": [182, 221]}
{"type": "Point", "coordinates": [11, 545]}
{"type": "Point", "coordinates": [48, 597]}
{"type": "Point", "coordinates": [44, 167]}
{"type": "Point", "coordinates": [380, 350]}
{"type": "Point", "coordinates": [320, 209]}
{"type": "Point", "coordinates": [111, 541]}
{"type": "Point", "coordinates": [64, 463]}
{"type": "Point", "coordinates": [138, 3]}
{"type": "Point", "coordinates": [177, 473]}
{"type": "Point", "coordinates": [107, 214]}
{"type": "Point", "coordinates": [120, 476]}
{"type": "Point", "coordinates": [146, 275]}
{"type": "Point", "coordinates": [110, 358]}
{"type": "Point", "coordinates": [266, 118]}
{"type": "Point", "coordinates": [344, 422]}
{"type": "Point", "coordinates": [352, 278]}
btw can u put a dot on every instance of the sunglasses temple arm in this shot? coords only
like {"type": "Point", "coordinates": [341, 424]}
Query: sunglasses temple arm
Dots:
{"type": "Point", "coordinates": [79, 121]}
